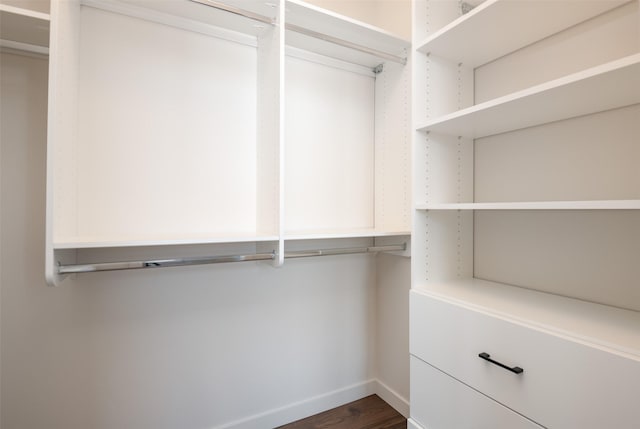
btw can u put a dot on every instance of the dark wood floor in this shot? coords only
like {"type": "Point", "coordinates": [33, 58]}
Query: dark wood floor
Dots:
{"type": "Point", "coordinates": [367, 413]}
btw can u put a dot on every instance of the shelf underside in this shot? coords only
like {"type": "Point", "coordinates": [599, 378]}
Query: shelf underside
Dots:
{"type": "Point", "coordinates": [608, 327]}
{"type": "Point", "coordinates": [22, 26]}
{"type": "Point", "coordinates": [326, 27]}
{"type": "Point", "coordinates": [354, 233]}
{"type": "Point", "coordinates": [98, 242]}
{"type": "Point", "coordinates": [195, 14]}
{"type": "Point", "coordinates": [605, 87]}
{"type": "Point", "coordinates": [499, 27]}
{"type": "Point", "coordinates": [306, 16]}
{"type": "Point", "coordinates": [537, 205]}
{"type": "Point", "coordinates": [113, 242]}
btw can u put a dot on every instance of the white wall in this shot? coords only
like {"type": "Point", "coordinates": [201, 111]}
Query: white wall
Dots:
{"type": "Point", "coordinates": [196, 347]}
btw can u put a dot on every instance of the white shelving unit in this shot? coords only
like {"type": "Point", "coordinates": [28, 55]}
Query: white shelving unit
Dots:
{"type": "Point", "coordinates": [204, 139]}
{"type": "Point", "coordinates": [606, 87]}
{"type": "Point", "coordinates": [346, 162]}
{"type": "Point", "coordinates": [512, 222]}
{"type": "Point", "coordinates": [171, 147]}
{"type": "Point", "coordinates": [24, 29]}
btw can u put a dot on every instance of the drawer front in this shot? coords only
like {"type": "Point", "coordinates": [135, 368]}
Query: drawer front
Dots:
{"type": "Point", "coordinates": [441, 402]}
{"type": "Point", "coordinates": [564, 384]}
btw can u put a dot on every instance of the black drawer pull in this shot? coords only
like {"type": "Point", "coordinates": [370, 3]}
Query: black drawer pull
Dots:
{"type": "Point", "coordinates": [487, 357]}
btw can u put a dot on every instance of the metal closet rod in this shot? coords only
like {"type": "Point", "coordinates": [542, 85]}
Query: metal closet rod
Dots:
{"type": "Point", "coordinates": [236, 11]}
{"type": "Point", "coordinates": [346, 44]}
{"type": "Point", "coordinates": [302, 30]}
{"type": "Point", "coordinates": [178, 262]}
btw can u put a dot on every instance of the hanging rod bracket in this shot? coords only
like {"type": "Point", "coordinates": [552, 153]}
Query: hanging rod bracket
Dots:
{"type": "Point", "coordinates": [465, 7]}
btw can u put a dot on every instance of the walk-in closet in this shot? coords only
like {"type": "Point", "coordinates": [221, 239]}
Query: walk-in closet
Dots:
{"type": "Point", "coordinates": [238, 214]}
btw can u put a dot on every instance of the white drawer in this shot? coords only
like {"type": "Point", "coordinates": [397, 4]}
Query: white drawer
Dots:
{"type": "Point", "coordinates": [565, 384]}
{"type": "Point", "coordinates": [441, 402]}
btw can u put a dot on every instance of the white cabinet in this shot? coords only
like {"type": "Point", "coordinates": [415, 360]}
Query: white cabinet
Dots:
{"type": "Point", "coordinates": [565, 382]}
{"type": "Point", "coordinates": [526, 197]}
{"type": "Point", "coordinates": [199, 123]}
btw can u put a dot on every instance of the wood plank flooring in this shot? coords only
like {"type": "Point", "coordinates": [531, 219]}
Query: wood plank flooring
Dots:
{"type": "Point", "coordinates": [367, 413]}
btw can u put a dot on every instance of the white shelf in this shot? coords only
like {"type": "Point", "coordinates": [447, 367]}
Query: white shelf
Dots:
{"type": "Point", "coordinates": [537, 205]}
{"type": "Point", "coordinates": [330, 234]}
{"type": "Point", "coordinates": [96, 243]}
{"type": "Point", "coordinates": [24, 29]}
{"type": "Point", "coordinates": [608, 327]}
{"type": "Point", "coordinates": [498, 27]}
{"type": "Point", "coordinates": [608, 86]}
{"type": "Point", "coordinates": [379, 42]}
{"type": "Point", "coordinates": [197, 16]}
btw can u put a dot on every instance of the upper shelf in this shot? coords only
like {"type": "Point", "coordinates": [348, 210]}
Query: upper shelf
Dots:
{"type": "Point", "coordinates": [498, 27]}
{"type": "Point", "coordinates": [308, 27]}
{"type": "Point", "coordinates": [24, 29]}
{"type": "Point", "coordinates": [608, 86]}
{"type": "Point", "coordinates": [240, 17]}
{"type": "Point", "coordinates": [537, 205]}
{"type": "Point", "coordinates": [328, 33]}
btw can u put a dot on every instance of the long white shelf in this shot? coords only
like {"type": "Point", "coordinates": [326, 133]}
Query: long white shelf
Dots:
{"type": "Point", "coordinates": [377, 45]}
{"type": "Point", "coordinates": [168, 240]}
{"type": "Point", "coordinates": [608, 327]}
{"type": "Point", "coordinates": [498, 27]}
{"type": "Point", "coordinates": [198, 15]}
{"type": "Point", "coordinates": [537, 205]}
{"type": "Point", "coordinates": [24, 29]}
{"type": "Point", "coordinates": [97, 243]}
{"type": "Point", "coordinates": [608, 86]}
{"type": "Point", "coordinates": [329, 234]}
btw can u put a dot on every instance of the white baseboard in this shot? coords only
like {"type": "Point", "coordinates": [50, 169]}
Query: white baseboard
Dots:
{"type": "Point", "coordinates": [305, 408]}
{"type": "Point", "coordinates": [392, 398]}
{"type": "Point", "coordinates": [308, 407]}
{"type": "Point", "coordinates": [412, 424]}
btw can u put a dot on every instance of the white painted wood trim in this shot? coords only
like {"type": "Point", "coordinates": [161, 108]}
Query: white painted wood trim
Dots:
{"type": "Point", "coordinates": [317, 404]}
{"type": "Point", "coordinates": [305, 408]}
{"type": "Point", "coordinates": [393, 398]}
{"type": "Point", "coordinates": [411, 424]}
